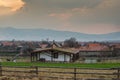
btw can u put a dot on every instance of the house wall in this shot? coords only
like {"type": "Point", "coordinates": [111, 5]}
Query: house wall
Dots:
{"type": "Point", "coordinates": [95, 54]}
{"type": "Point", "coordinates": [61, 58]}
{"type": "Point", "coordinates": [116, 52]}
{"type": "Point", "coordinates": [47, 57]}
{"type": "Point", "coordinates": [90, 61]}
{"type": "Point", "coordinates": [89, 53]}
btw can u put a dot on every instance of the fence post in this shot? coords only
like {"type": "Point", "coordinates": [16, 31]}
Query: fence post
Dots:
{"type": "Point", "coordinates": [0, 69]}
{"type": "Point", "coordinates": [118, 73]}
{"type": "Point", "coordinates": [36, 70]}
{"type": "Point", "coordinates": [75, 73]}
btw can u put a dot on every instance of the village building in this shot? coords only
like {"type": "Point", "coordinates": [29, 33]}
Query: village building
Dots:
{"type": "Point", "coordinates": [94, 52]}
{"type": "Point", "coordinates": [54, 54]}
{"type": "Point", "coordinates": [91, 53]}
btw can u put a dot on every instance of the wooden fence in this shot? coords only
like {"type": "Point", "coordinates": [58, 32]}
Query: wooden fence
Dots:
{"type": "Point", "coordinates": [61, 73]}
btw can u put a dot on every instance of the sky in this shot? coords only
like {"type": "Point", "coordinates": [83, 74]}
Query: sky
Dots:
{"type": "Point", "coordinates": [84, 16]}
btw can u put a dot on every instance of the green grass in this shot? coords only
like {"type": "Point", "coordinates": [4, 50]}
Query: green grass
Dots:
{"type": "Point", "coordinates": [48, 64]}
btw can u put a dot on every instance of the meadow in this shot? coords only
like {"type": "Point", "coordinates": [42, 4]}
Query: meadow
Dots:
{"type": "Point", "coordinates": [66, 65]}
{"type": "Point", "coordinates": [60, 71]}
{"type": "Point", "coordinates": [57, 69]}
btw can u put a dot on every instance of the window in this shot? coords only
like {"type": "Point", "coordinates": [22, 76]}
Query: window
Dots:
{"type": "Point", "coordinates": [55, 55]}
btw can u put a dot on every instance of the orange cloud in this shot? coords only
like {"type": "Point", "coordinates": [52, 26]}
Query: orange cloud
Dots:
{"type": "Point", "coordinates": [9, 6]}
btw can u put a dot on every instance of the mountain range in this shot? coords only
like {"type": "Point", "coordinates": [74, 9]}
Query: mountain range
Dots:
{"type": "Point", "coordinates": [42, 34]}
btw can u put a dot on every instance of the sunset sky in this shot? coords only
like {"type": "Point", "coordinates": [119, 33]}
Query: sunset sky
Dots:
{"type": "Point", "coordinates": [85, 16]}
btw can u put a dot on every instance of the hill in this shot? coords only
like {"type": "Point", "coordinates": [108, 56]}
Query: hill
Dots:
{"type": "Point", "coordinates": [39, 34]}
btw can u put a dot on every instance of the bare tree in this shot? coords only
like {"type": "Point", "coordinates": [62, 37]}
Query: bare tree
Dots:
{"type": "Point", "coordinates": [72, 42]}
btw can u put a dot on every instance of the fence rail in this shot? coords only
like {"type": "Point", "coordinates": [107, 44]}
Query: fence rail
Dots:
{"type": "Point", "coordinates": [61, 72]}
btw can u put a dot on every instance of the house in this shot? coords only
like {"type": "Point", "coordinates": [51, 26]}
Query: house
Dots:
{"type": "Point", "coordinates": [94, 56]}
{"type": "Point", "coordinates": [116, 50]}
{"type": "Point", "coordinates": [94, 52]}
{"type": "Point", "coordinates": [54, 54]}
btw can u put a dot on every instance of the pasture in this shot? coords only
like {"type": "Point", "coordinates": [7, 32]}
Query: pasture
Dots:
{"type": "Point", "coordinates": [57, 70]}
{"type": "Point", "coordinates": [66, 65]}
{"type": "Point", "coordinates": [60, 71]}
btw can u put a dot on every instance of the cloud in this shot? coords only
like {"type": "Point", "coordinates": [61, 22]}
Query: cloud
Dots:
{"type": "Point", "coordinates": [67, 9]}
{"type": "Point", "coordinates": [88, 16]}
{"type": "Point", "coordinates": [88, 7]}
{"type": "Point", "coordinates": [100, 11]}
{"type": "Point", "coordinates": [98, 17]}
{"type": "Point", "coordinates": [103, 6]}
{"type": "Point", "coordinates": [10, 6]}
{"type": "Point", "coordinates": [62, 16]}
{"type": "Point", "coordinates": [108, 4]}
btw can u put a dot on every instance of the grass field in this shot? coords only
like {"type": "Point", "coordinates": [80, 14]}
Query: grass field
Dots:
{"type": "Point", "coordinates": [68, 67]}
{"type": "Point", "coordinates": [71, 65]}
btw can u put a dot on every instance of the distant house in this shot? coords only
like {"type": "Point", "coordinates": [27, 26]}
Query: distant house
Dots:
{"type": "Point", "coordinates": [6, 43]}
{"type": "Point", "coordinates": [94, 56]}
{"type": "Point", "coordinates": [94, 52]}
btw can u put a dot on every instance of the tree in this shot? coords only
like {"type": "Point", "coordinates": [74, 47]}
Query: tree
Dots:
{"type": "Point", "coordinates": [71, 42]}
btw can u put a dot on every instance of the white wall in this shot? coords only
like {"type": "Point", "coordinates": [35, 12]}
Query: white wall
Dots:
{"type": "Point", "coordinates": [61, 58]}
{"type": "Point", "coordinates": [47, 57]}
{"type": "Point", "coordinates": [89, 53]}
